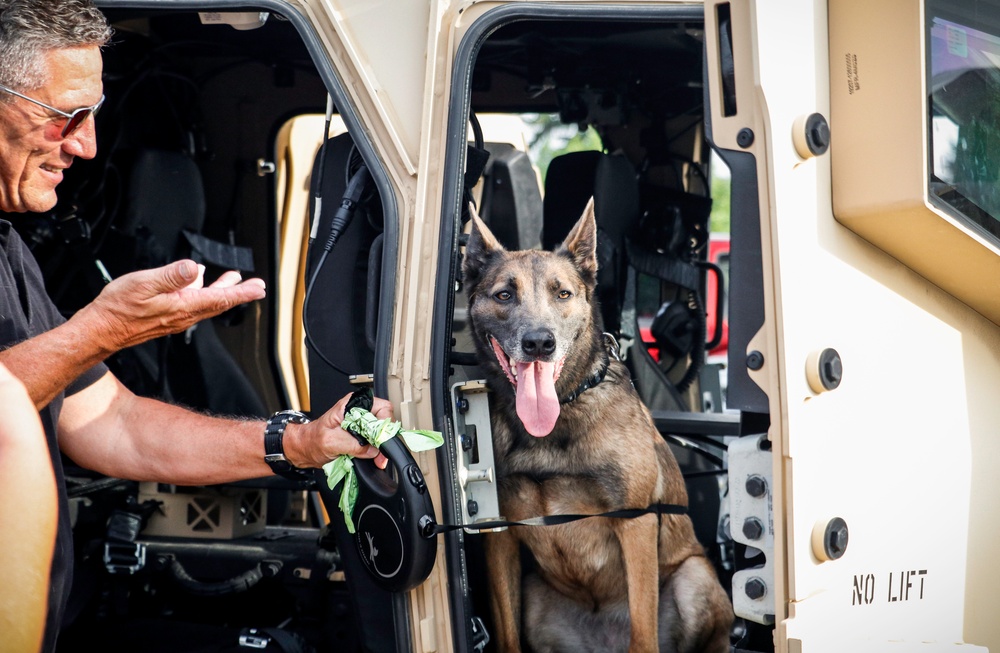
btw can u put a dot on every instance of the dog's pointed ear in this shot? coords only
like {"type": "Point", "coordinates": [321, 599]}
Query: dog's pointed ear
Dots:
{"type": "Point", "coordinates": [581, 244]}
{"type": "Point", "coordinates": [482, 246]}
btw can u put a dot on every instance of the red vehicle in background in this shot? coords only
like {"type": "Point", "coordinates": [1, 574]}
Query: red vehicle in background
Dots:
{"type": "Point", "coordinates": [718, 254]}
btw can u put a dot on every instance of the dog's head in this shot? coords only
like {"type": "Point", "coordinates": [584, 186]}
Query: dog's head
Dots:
{"type": "Point", "coordinates": [534, 315]}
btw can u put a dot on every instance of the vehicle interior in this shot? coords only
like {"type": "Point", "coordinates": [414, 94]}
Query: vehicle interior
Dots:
{"type": "Point", "coordinates": [209, 147]}
{"type": "Point", "coordinates": [635, 87]}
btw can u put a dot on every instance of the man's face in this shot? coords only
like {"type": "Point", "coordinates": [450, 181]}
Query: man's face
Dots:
{"type": "Point", "coordinates": [33, 155]}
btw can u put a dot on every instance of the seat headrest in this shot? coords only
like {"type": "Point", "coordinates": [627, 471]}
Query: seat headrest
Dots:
{"type": "Point", "coordinates": [573, 178]}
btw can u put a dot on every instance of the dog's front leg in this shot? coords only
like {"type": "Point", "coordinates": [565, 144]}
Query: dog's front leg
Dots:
{"type": "Point", "coordinates": [504, 563]}
{"type": "Point", "coordinates": [638, 539]}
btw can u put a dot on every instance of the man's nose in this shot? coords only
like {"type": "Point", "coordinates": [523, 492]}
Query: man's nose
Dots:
{"type": "Point", "coordinates": [82, 142]}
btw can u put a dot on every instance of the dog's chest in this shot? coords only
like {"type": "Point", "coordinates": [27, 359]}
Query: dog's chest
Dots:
{"type": "Point", "coordinates": [577, 557]}
{"type": "Point", "coordinates": [543, 481]}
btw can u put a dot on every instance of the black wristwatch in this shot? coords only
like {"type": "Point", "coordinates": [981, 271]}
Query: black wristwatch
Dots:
{"type": "Point", "coordinates": [274, 449]}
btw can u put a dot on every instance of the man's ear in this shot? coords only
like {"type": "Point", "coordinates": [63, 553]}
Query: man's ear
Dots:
{"type": "Point", "coordinates": [581, 244]}
{"type": "Point", "coordinates": [480, 249]}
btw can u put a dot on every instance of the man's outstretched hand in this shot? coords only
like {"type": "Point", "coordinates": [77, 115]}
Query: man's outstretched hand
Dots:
{"type": "Point", "coordinates": [148, 304]}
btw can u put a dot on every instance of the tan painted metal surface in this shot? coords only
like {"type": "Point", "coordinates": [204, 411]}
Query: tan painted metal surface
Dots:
{"type": "Point", "coordinates": [891, 450]}
{"type": "Point", "coordinates": [901, 450]}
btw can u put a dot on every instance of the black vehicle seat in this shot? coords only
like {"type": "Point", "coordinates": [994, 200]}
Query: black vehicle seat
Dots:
{"type": "Point", "coordinates": [341, 310]}
{"type": "Point", "coordinates": [162, 221]}
{"type": "Point", "coordinates": [571, 181]}
{"type": "Point", "coordinates": [611, 179]}
{"type": "Point", "coordinates": [511, 203]}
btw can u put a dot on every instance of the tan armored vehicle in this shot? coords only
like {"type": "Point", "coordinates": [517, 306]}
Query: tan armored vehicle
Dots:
{"type": "Point", "coordinates": [836, 426]}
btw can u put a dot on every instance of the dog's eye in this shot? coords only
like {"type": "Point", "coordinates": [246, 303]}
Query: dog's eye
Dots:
{"type": "Point", "coordinates": [565, 294]}
{"type": "Point", "coordinates": [503, 296]}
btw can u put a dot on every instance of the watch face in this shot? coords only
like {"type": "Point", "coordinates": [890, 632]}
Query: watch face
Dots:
{"type": "Point", "coordinates": [278, 462]}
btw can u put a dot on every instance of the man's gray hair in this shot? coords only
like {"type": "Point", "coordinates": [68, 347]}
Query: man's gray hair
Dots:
{"type": "Point", "coordinates": [30, 28]}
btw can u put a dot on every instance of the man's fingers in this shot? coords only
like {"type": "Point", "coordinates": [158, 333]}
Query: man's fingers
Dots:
{"type": "Point", "coordinates": [177, 275]}
{"type": "Point", "coordinates": [227, 291]}
{"type": "Point", "coordinates": [199, 280]}
{"type": "Point", "coordinates": [228, 279]}
{"type": "Point", "coordinates": [371, 452]}
{"type": "Point", "coordinates": [247, 291]}
{"type": "Point", "coordinates": [382, 408]}
{"type": "Point", "coordinates": [212, 301]}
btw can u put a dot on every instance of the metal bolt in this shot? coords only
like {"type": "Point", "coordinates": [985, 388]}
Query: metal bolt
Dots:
{"type": "Point", "coordinates": [755, 360]}
{"type": "Point", "coordinates": [462, 404]}
{"type": "Point", "coordinates": [831, 368]}
{"type": "Point", "coordinates": [817, 134]}
{"type": "Point", "coordinates": [745, 137]}
{"type": "Point", "coordinates": [756, 486]}
{"type": "Point", "coordinates": [755, 588]}
{"type": "Point", "coordinates": [473, 507]}
{"type": "Point", "coordinates": [752, 528]}
{"type": "Point", "coordinates": [836, 538]}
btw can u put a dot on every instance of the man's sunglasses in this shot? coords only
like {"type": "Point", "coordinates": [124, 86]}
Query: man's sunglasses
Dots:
{"type": "Point", "coordinates": [74, 118]}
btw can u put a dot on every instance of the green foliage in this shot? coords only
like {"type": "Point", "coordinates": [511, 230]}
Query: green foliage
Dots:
{"type": "Point", "coordinates": [718, 221]}
{"type": "Point", "coordinates": [553, 138]}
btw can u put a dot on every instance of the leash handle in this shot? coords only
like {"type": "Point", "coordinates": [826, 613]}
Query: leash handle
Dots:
{"type": "Point", "coordinates": [429, 528]}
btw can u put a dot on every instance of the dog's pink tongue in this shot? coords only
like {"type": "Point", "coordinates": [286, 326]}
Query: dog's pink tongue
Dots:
{"type": "Point", "coordinates": [537, 402]}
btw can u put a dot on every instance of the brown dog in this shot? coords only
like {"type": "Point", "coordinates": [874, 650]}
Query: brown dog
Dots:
{"type": "Point", "coordinates": [571, 436]}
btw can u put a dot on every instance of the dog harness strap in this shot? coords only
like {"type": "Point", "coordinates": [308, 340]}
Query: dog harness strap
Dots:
{"type": "Point", "coordinates": [430, 529]}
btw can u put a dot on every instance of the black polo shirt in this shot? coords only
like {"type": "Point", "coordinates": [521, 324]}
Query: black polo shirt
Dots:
{"type": "Point", "coordinates": [25, 312]}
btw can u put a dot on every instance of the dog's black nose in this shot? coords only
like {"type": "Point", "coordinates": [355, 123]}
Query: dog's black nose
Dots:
{"type": "Point", "coordinates": [538, 342]}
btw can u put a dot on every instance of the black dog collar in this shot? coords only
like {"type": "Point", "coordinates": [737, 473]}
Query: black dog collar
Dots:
{"type": "Point", "coordinates": [588, 383]}
{"type": "Point", "coordinates": [597, 377]}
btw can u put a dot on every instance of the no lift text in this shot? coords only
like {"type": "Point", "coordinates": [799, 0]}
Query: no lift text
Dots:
{"type": "Point", "coordinates": [896, 586]}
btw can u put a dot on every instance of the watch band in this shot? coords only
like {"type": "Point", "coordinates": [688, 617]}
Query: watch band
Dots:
{"type": "Point", "coordinates": [274, 450]}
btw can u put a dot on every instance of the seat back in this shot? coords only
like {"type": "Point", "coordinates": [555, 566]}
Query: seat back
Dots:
{"type": "Point", "coordinates": [571, 181]}
{"type": "Point", "coordinates": [511, 204]}
{"type": "Point", "coordinates": [161, 222]}
{"type": "Point", "coordinates": [340, 311]}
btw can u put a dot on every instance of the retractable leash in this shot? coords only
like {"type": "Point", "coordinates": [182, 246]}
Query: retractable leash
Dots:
{"type": "Point", "coordinates": [429, 528]}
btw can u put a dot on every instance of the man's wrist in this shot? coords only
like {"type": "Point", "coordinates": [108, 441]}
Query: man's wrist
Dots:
{"type": "Point", "coordinates": [275, 454]}
{"type": "Point", "coordinates": [89, 325]}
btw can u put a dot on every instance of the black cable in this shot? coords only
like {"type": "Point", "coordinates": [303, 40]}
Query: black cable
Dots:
{"type": "Point", "coordinates": [341, 219]}
{"type": "Point", "coordinates": [698, 348]}
{"type": "Point", "coordinates": [320, 165]}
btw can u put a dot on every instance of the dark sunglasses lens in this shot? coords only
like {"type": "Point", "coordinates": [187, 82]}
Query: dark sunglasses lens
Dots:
{"type": "Point", "coordinates": [73, 123]}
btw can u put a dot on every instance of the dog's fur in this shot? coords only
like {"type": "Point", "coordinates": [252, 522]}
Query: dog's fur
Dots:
{"type": "Point", "coordinates": [598, 584]}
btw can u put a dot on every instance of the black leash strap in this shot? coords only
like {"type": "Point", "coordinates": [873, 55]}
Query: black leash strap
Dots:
{"type": "Point", "coordinates": [429, 528]}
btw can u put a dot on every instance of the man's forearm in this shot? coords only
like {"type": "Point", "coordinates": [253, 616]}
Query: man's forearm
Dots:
{"type": "Point", "coordinates": [48, 363]}
{"type": "Point", "coordinates": [170, 444]}
{"type": "Point", "coordinates": [107, 428]}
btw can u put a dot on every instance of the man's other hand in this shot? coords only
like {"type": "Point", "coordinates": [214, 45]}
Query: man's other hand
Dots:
{"type": "Point", "coordinates": [320, 441]}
